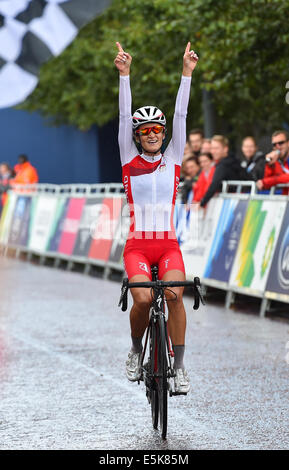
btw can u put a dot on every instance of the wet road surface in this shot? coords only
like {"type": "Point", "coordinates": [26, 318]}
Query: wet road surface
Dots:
{"type": "Point", "coordinates": [63, 345]}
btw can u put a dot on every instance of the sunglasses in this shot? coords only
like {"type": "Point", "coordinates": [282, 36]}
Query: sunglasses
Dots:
{"type": "Point", "coordinates": [147, 130]}
{"type": "Point", "coordinates": [279, 143]}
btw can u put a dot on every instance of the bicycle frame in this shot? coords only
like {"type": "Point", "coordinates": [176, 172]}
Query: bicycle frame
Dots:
{"type": "Point", "coordinates": [157, 383]}
{"type": "Point", "coordinates": [157, 310]}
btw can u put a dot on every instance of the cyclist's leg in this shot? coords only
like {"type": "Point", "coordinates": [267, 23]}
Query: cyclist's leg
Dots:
{"type": "Point", "coordinates": [177, 313]}
{"type": "Point", "coordinates": [171, 268]}
{"type": "Point", "coordinates": [136, 264]}
{"type": "Point", "coordinates": [177, 316]}
{"type": "Point", "coordinates": [138, 269]}
{"type": "Point", "coordinates": [139, 314]}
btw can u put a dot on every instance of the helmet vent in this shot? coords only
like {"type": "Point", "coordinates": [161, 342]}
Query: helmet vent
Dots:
{"type": "Point", "coordinates": [148, 114]}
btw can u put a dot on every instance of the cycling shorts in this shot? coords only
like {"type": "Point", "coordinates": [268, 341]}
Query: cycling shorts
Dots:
{"type": "Point", "coordinates": [140, 255]}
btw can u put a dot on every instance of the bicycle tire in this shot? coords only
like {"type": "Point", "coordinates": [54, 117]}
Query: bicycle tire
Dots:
{"type": "Point", "coordinates": [162, 379]}
{"type": "Point", "coordinates": [154, 390]}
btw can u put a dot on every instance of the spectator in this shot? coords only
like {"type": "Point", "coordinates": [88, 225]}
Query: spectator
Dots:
{"type": "Point", "coordinates": [253, 164]}
{"type": "Point", "coordinates": [195, 141]}
{"type": "Point", "coordinates": [6, 173]}
{"type": "Point", "coordinates": [206, 176]}
{"type": "Point", "coordinates": [227, 166]}
{"type": "Point", "coordinates": [206, 146]}
{"type": "Point", "coordinates": [25, 172]}
{"type": "Point", "coordinates": [191, 170]}
{"type": "Point", "coordinates": [277, 163]}
{"type": "Point", "coordinates": [187, 151]}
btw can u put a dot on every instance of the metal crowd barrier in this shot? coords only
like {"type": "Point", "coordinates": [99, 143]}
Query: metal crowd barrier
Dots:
{"type": "Point", "coordinates": [243, 190]}
{"type": "Point", "coordinates": [247, 190]}
{"type": "Point", "coordinates": [73, 191]}
{"type": "Point", "coordinates": [239, 186]}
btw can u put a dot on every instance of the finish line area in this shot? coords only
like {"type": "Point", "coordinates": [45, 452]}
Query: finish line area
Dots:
{"type": "Point", "coordinates": [64, 343]}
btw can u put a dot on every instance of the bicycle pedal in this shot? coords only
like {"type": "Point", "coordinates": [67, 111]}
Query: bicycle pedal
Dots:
{"type": "Point", "coordinates": [171, 373]}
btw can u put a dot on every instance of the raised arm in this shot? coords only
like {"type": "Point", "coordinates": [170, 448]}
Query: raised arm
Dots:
{"type": "Point", "coordinates": [177, 144]}
{"type": "Point", "coordinates": [126, 144]}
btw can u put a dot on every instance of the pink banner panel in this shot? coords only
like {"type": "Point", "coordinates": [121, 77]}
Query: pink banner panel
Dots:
{"type": "Point", "coordinates": [105, 228]}
{"type": "Point", "coordinates": [70, 225]}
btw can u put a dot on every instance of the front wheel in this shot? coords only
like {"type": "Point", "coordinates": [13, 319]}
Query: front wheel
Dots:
{"type": "Point", "coordinates": [155, 408]}
{"type": "Point", "coordinates": [162, 375]}
{"type": "Point", "coordinates": [153, 386]}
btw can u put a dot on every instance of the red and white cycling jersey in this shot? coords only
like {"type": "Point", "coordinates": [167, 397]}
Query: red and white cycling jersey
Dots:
{"type": "Point", "coordinates": [151, 183]}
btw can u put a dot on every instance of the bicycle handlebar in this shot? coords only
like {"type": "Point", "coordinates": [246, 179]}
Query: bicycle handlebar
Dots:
{"type": "Point", "coordinates": [162, 285]}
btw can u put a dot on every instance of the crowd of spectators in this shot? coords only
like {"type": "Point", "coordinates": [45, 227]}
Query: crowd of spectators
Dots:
{"type": "Point", "coordinates": [22, 173]}
{"type": "Point", "coordinates": [206, 164]}
{"type": "Point", "coordinates": [209, 162]}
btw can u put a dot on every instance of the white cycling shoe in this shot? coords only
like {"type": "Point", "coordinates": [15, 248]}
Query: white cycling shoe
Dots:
{"type": "Point", "coordinates": [132, 366]}
{"type": "Point", "coordinates": [181, 382]}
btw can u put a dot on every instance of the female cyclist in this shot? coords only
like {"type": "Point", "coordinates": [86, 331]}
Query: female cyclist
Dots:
{"type": "Point", "coordinates": [151, 180]}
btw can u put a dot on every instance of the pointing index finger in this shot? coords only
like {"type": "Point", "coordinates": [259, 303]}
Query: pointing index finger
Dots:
{"type": "Point", "coordinates": [188, 47]}
{"type": "Point", "coordinates": [119, 47]}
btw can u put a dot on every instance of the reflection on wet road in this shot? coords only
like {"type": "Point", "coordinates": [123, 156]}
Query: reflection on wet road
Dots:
{"type": "Point", "coordinates": [63, 345]}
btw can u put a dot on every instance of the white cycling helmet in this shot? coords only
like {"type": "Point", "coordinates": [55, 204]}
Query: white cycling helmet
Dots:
{"type": "Point", "coordinates": [148, 114]}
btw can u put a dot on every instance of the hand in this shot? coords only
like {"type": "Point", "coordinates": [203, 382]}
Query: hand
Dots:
{"type": "Point", "coordinates": [190, 61]}
{"type": "Point", "coordinates": [260, 184]}
{"type": "Point", "coordinates": [272, 157]}
{"type": "Point", "coordinates": [122, 61]}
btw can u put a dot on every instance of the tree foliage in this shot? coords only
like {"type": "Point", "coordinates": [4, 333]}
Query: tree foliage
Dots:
{"type": "Point", "coordinates": [243, 50]}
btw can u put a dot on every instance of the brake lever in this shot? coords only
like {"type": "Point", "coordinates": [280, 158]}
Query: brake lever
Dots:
{"type": "Point", "coordinates": [123, 296]}
{"type": "Point", "coordinates": [197, 300]}
{"type": "Point", "coordinates": [199, 297]}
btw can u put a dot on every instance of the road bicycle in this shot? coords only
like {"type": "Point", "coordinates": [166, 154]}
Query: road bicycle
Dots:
{"type": "Point", "coordinates": [157, 371]}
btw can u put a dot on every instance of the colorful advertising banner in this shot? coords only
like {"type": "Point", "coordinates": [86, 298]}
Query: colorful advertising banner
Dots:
{"type": "Point", "coordinates": [6, 217]}
{"type": "Point", "coordinates": [57, 225]}
{"type": "Point", "coordinates": [182, 221]}
{"type": "Point", "coordinates": [41, 223]}
{"type": "Point", "coordinates": [90, 215]}
{"type": "Point", "coordinates": [19, 229]}
{"type": "Point", "coordinates": [198, 240]}
{"type": "Point", "coordinates": [104, 230]}
{"type": "Point", "coordinates": [278, 280]}
{"type": "Point", "coordinates": [4, 211]}
{"type": "Point", "coordinates": [70, 225]}
{"type": "Point", "coordinates": [257, 243]}
{"type": "Point", "coordinates": [225, 243]}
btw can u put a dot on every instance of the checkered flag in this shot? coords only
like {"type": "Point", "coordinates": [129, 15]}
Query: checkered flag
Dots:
{"type": "Point", "coordinates": [33, 31]}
